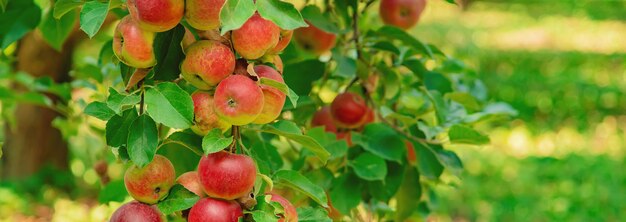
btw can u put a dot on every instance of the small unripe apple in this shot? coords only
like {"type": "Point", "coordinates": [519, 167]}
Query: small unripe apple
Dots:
{"type": "Point", "coordinates": [238, 100]}
{"type": "Point", "coordinates": [323, 117]}
{"type": "Point", "coordinates": [152, 182]}
{"type": "Point", "coordinates": [207, 63]}
{"type": "Point", "coordinates": [226, 176]}
{"type": "Point", "coordinates": [274, 99]}
{"type": "Point", "coordinates": [203, 14]}
{"type": "Point", "coordinates": [137, 212]}
{"type": "Point", "coordinates": [290, 214]}
{"type": "Point", "coordinates": [401, 13]}
{"type": "Point", "coordinates": [191, 182]}
{"type": "Point", "coordinates": [314, 39]}
{"type": "Point", "coordinates": [132, 45]}
{"type": "Point", "coordinates": [204, 116]}
{"type": "Point", "coordinates": [156, 15]}
{"type": "Point", "coordinates": [348, 110]}
{"type": "Point", "coordinates": [256, 37]}
{"type": "Point", "coordinates": [285, 38]}
{"type": "Point", "coordinates": [215, 210]}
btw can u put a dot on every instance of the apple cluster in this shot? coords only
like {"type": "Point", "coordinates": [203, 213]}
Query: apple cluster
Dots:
{"type": "Point", "coordinates": [347, 112]}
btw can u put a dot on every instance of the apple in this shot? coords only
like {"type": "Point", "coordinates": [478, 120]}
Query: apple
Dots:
{"type": "Point", "coordinates": [274, 99]}
{"type": "Point", "coordinates": [226, 176]}
{"type": "Point", "coordinates": [215, 210]}
{"type": "Point", "coordinates": [132, 45]}
{"type": "Point", "coordinates": [348, 110]}
{"type": "Point", "coordinates": [188, 39]}
{"type": "Point", "coordinates": [284, 39]}
{"type": "Point", "coordinates": [410, 153]}
{"type": "Point", "coordinates": [256, 37]}
{"type": "Point", "coordinates": [207, 63]}
{"type": "Point", "coordinates": [290, 214]}
{"type": "Point", "coordinates": [278, 62]}
{"type": "Point", "coordinates": [190, 181]}
{"type": "Point", "coordinates": [238, 100]}
{"type": "Point", "coordinates": [401, 13]}
{"type": "Point", "coordinates": [156, 15]}
{"type": "Point", "coordinates": [152, 182]}
{"type": "Point", "coordinates": [205, 118]}
{"type": "Point", "coordinates": [137, 212]}
{"type": "Point", "coordinates": [323, 117]}
{"type": "Point", "coordinates": [203, 14]}
{"type": "Point", "coordinates": [314, 39]}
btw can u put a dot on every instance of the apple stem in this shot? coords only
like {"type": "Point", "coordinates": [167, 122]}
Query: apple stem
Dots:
{"type": "Point", "coordinates": [236, 136]}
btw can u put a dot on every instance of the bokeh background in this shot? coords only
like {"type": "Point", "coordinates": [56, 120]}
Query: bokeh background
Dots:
{"type": "Point", "coordinates": [561, 64]}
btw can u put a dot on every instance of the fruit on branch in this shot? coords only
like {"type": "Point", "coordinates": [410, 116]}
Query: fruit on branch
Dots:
{"type": "Point", "coordinates": [289, 214]}
{"type": "Point", "coordinates": [323, 117]}
{"type": "Point", "coordinates": [314, 39]}
{"type": "Point", "coordinates": [348, 110]}
{"type": "Point", "coordinates": [226, 176]}
{"type": "Point", "coordinates": [188, 39]}
{"type": "Point", "coordinates": [203, 14]}
{"type": "Point", "coordinates": [410, 153]}
{"type": "Point", "coordinates": [205, 117]}
{"type": "Point", "coordinates": [284, 39]}
{"type": "Point", "coordinates": [215, 210]}
{"type": "Point", "coordinates": [274, 99]}
{"type": "Point", "coordinates": [238, 100]}
{"type": "Point", "coordinates": [191, 182]}
{"type": "Point", "coordinates": [401, 13]}
{"type": "Point", "coordinates": [207, 63]}
{"type": "Point", "coordinates": [137, 212]}
{"type": "Point", "coordinates": [152, 182]}
{"type": "Point", "coordinates": [132, 45]}
{"type": "Point", "coordinates": [256, 37]}
{"type": "Point", "coordinates": [278, 63]}
{"type": "Point", "coordinates": [156, 15]}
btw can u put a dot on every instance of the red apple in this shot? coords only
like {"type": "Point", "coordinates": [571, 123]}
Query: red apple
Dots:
{"type": "Point", "coordinates": [203, 14]}
{"type": "Point", "coordinates": [256, 37]}
{"type": "Point", "coordinates": [410, 153]}
{"type": "Point", "coordinates": [191, 182]}
{"type": "Point", "coordinates": [274, 99]}
{"type": "Point", "coordinates": [314, 39]}
{"type": "Point", "coordinates": [348, 110]}
{"type": "Point", "coordinates": [401, 13]}
{"type": "Point", "coordinates": [137, 212]}
{"type": "Point", "coordinates": [215, 210]}
{"type": "Point", "coordinates": [152, 182]}
{"type": "Point", "coordinates": [207, 63]}
{"type": "Point", "coordinates": [323, 118]}
{"type": "Point", "coordinates": [285, 38]}
{"type": "Point", "coordinates": [278, 62]}
{"type": "Point", "coordinates": [132, 45]}
{"type": "Point", "coordinates": [205, 117]}
{"type": "Point", "coordinates": [238, 100]}
{"type": "Point", "coordinates": [290, 214]}
{"type": "Point", "coordinates": [156, 15]}
{"type": "Point", "coordinates": [226, 176]}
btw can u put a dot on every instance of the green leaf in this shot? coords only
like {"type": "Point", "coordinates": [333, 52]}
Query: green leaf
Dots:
{"type": "Point", "coordinates": [235, 13]}
{"type": "Point", "coordinates": [346, 193]}
{"type": "Point", "coordinates": [387, 188]}
{"type": "Point", "coordinates": [3, 6]}
{"type": "Point", "coordinates": [408, 40]}
{"type": "Point", "coordinates": [296, 181]}
{"type": "Point", "coordinates": [19, 18]}
{"type": "Point", "coordinates": [92, 16]}
{"type": "Point", "coordinates": [369, 167]}
{"type": "Point", "coordinates": [440, 105]}
{"type": "Point", "coordinates": [214, 141]}
{"type": "Point", "coordinates": [310, 214]}
{"type": "Point", "coordinates": [382, 141]}
{"type": "Point", "coordinates": [170, 105]}
{"type": "Point", "coordinates": [314, 15]}
{"type": "Point", "coordinates": [113, 191]}
{"type": "Point", "coordinates": [183, 149]}
{"type": "Point", "coordinates": [464, 134]}
{"type": "Point", "coordinates": [301, 75]}
{"type": "Point", "coordinates": [282, 87]}
{"type": "Point", "coordinates": [120, 102]}
{"type": "Point", "coordinates": [409, 194]}
{"type": "Point", "coordinates": [178, 199]}
{"type": "Point", "coordinates": [416, 66]}
{"type": "Point", "coordinates": [437, 81]}
{"type": "Point", "coordinates": [99, 110]}
{"type": "Point", "coordinates": [466, 99]}
{"type": "Point", "coordinates": [450, 160]}
{"type": "Point", "coordinates": [391, 80]}
{"type": "Point", "coordinates": [263, 216]}
{"type": "Point", "coordinates": [55, 31]}
{"type": "Point", "coordinates": [61, 7]}
{"type": "Point", "coordinates": [427, 163]}
{"type": "Point", "coordinates": [117, 128]}
{"type": "Point", "coordinates": [306, 141]}
{"type": "Point", "coordinates": [168, 54]}
{"type": "Point", "coordinates": [346, 66]}
{"type": "Point", "coordinates": [337, 148]}
{"type": "Point", "coordinates": [283, 14]}
{"type": "Point", "coordinates": [143, 139]}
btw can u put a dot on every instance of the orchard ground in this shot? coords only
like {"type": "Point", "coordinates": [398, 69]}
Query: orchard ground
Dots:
{"type": "Point", "coordinates": [562, 158]}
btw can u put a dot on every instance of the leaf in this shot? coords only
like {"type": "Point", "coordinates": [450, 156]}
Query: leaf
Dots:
{"type": "Point", "coordinates": [466, 99]}
{"type": "Point", "coordinates": [345, 194]}
{"type": "Point", "coordinates": [142, 140]}
{"type": "Point", "coordinates": [427, 163]}
{"type": "Point", "coordinates": [168, 53]}
{"type": "Point", "coordinates": [314, 15]}
{"type": "Point", "coordinates": [56, 31]}
{"type": "Point", "coordinates": [99, 110]}
{"type": "Point", "coordinates": [464, 134]}
{"type": "Point", "coordinates": [382, 141]}
{"type": "Point", "coordinates": [283, 14]}
{"type": "Point", "coordinates": [214, 141]}
{"type": "Point", "coordinates": [170, 105]}
{"type": "Point", "coordinates": [306, 141]}
{"type": "Point", "coordinates": [61, 7]}
{"type": "Point", "coordinates": [384, 190]}
{"type": "Point", "coordinates": [409, 194]}
{"type": "Point", "coordinates": [282, 87]}
{"type": "Point", "coordinates": [437, 81]}
{"type": "Point", "coordinates": [113, 191]}
{"type": "Point", "coordinates": [92, 16]}
{"type": "Point", "coordinates": [117, 128]}
{"type": "Point", "coordinates": [120, 102]}
{"type": "Point", "coordinates": [3, 6]}
{"type": "Point", "coordinates": [406, 38]}
{"type": "Point", "coordinates": [346, 66]}
{"type": "Point", "coordinates": [369, 167]}
{"type": "Point", "coordinates": [310, 214]}
{"type": "Point", "coordinates": [300, 75]}
{"type": "Point", "coordinates": [183, 149]}
{"type": "Point", "coordinates": [178, 199]}
{"type": "Point", "coordinates": [450, 160]}
{"type": "Point", "coordinates": [336, 148]}
{"type": "Point", "coordinates": [235, 13]}
{"type": "Point", "coordinates": [296, 181]}
{"type": "Point", "coordinates": [19, 18]}
{"type": "Point", "coordinates": [263, 216]}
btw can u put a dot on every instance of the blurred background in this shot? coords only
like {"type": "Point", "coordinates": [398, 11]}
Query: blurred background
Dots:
{"type": "Point", "coordinates": [560, 63]}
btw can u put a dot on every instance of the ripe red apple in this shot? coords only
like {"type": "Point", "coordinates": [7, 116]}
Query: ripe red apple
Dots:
{"type": "Point", "coordinates": [274, 99]}
{"type": "Point", "coordinates": [152, 182]}
{"type": "Point", "coordinates": [191, 182]}
{"type": "Point", "coordinates": [215, 210]}
{"type": "Point", "coordinates": [156, 15]}
{"type": "Point", "coordinates": [323, 117]}
{"type": "Point", "coordinates": [137, 212]}
{"type": "Point", "coordinates": [226, 176]}
{"type": "Point", "coordinates": [410, 153]}
{"type": "Point", "coordinates": [205, 118]}
{"type": "Point", "coordinates": [203, 14]}
{"type": "Point", "coordinates": [401, 13]}
{"type": "Point", "coordinates": [285, 38]}
{"type": "Point", "coordinates": [238, 100]}
{"type": "Point", "coordinates": [132, 45]}
{"type": "Point", "coordinates": [348, 110]}
{"type": "Point", "coordinates": [256, 37]}
{"type": "Point", "coordinates": [314, 39]}
{"type": "Point", "coordinates": [290, 214]}
{"type": "Point", "coordinates": [207, 63]}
